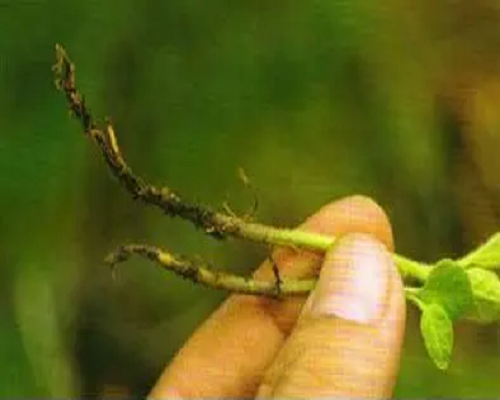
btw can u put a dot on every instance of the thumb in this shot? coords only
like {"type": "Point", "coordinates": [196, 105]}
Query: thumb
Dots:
{"type": "Point", "coordinates": [348, 339]}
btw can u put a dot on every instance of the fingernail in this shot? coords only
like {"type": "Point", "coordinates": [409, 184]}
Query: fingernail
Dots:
{"type": "Point", "coordinates": [354, 281]}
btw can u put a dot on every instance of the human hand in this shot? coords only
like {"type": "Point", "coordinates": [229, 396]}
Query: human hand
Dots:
{"type": "Point", "coordinates": [344, 341]}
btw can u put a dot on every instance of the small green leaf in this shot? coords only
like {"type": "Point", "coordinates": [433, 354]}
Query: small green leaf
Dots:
{"type": "Point", "coordinates": [448, 285]}
{"type": "Point", "coordinates": [486, 256]}
{"type": "Point", "coordinates": [486, 290]}
{"type": "Point", "coordinates": [437, 331]}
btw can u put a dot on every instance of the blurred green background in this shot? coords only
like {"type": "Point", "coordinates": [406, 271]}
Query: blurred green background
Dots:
{"type": "Point", "coordinates": [315, 99]}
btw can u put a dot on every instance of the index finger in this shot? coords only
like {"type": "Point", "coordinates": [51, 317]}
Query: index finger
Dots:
{"type": "Point", "coordinates": [229, 354]}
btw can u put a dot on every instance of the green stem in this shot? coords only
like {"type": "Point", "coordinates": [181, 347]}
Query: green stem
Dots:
{"type": "Point", "coordinates": [409, 269]}
{"type": "Point", "coordinates": [282, 237]}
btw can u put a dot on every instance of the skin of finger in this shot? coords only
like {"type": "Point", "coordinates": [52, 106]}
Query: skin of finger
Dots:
{"type": "Point", "coordinates": [335, 358]}
{"type": "Point", "coordinates": [229, 354]}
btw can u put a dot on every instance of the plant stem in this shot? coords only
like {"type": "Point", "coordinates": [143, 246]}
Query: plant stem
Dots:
{"type": "Point", "coordinates": [218, 224]}
{"type": "Point", "coordinates": [410, 269]}
{"type": "Point", "coordinates": [201, 273]}
{"type": "Point", "coordinates": [284, 237]}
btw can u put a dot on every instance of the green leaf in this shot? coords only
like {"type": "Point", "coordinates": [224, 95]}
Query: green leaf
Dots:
{"type": "Point", "coordinates": [437, 331]}
{"type": "Point", "coordinates": [486, 290]}
{"type": "Point", "coordinates": [448, 285]}
{"type": "Point", "coordinates": [486, 256]}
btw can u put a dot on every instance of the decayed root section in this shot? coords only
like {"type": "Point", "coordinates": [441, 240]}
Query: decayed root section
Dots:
{"type": "Point", "coordinates": [165, 198]}
{"type": "Point", "coordinates": [201, 273]}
